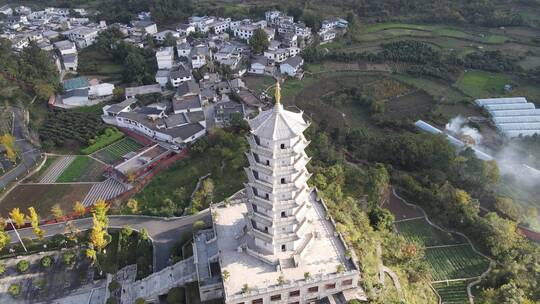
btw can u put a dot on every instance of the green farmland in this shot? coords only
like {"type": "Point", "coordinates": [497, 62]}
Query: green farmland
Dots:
{"type": "Point", "coordinates": [455, 262]}
{"type": "Point", "coordinates": [454, 292]}
{"type": "Point", "coordinates": [113, 153]}
{"type": "Point", "coordinates": [420, 231]}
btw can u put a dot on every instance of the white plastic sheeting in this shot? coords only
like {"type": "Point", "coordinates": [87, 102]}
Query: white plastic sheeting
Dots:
{"type": "Point", "coordinates": [483, 102]}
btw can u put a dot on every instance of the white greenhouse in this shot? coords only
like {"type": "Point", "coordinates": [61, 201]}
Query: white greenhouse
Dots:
{"type": "Point", "coordinates": [483, 102]}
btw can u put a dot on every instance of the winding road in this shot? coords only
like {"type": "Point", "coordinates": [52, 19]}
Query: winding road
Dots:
{"type": "Point", "coordinates": [30, 154]}
{"type": "Point", "coordinates": [164, 232]}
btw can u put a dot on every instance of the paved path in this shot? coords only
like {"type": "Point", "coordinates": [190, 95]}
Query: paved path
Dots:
{"type": "Point", "coordinates": [165, 232]}
{"type": "Point", "coordinates": [104, 190]}
{"type": "Point", "coordinates": [29, 153]}
{"type": "Point", "coordinates": [57, 169]}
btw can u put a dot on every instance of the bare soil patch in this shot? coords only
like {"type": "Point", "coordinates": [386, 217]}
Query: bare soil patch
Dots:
{"type": "Point", "coordinates": [43, 197]}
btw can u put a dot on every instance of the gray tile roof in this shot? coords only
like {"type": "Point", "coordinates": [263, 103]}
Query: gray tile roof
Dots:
{"type": "Point", "coordinates": [295, 61]}
{"type": "Point", "coordinates": [187, 102]}
{"type": "Point", "coordinates": [185, 131]}
{"type": "Point", "coordinates": [188, 88]}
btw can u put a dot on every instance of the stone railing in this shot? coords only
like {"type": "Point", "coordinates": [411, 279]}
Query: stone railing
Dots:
{"type": "Point", "coordinates": [279, 288]}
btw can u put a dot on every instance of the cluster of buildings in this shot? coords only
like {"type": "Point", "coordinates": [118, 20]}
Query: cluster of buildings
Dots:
{"type": "Point", "coordinates": [512, 116]}
{"type": "Point", "coordinates": [62, 31]}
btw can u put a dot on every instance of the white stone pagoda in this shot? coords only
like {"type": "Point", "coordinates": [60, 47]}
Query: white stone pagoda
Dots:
{"type": "Point", "coordinates": [274, 241]}
{"type": "Point", "coordinates": [277, 190]}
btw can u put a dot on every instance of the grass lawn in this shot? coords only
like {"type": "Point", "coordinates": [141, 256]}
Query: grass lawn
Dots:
{"type": "Point", "coordinates": [114, 152]}
{"type": "Point", "coordinates": [453, 292]}
{"type": "Point", "coordinates": [185, 173]}
{"type": "Point", "coordinates": [479, 84]}
{"type": "Point", "coordinates": [82, 169]}
{"type": "Point", "coordinates": [435, 88]}
{"type": "Point", "coordinates": [420, 231]}
{"type": "Point", "coordinates": [455, 262]}
{"type": "Point", "coordinates": [530, 62]}
{"type": "Point", "coordinates": [258, 83]}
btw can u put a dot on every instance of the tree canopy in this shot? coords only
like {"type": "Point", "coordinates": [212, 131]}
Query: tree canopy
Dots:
{"type": "Point", "coordinates": [259, 41]}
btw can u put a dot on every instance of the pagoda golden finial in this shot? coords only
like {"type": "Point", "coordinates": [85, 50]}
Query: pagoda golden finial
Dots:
{"type": "Point", "coordinates": [277, 94]}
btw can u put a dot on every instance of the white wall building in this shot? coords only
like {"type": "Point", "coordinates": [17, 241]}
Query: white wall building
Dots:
{"type": "Point", "coordinates": [100, 90]}
{"type": "Point", "coordinates": [165, 57]}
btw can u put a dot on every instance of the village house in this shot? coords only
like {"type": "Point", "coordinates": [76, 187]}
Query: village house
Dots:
{"type": "Point", "coordinates": [198, 55]}
{"type": "Point", "coordinates": [70, 62]}
{"type": "Point", "coordinates": [6, 10]}
{"type": "Point", "coordinates": [162, 77]}
{"type": "Point", "coordinates": [183, 49]}
{"type": "Point", "coordinates": [144, 27]}
{"type": "Point", "coordinates": [226, 110]}
{"type": "Point", "coordinates": [65, 47]}
{"type": "Point", "coordinates": [161, 36]}
{"type": "Point", "coordinates": [185, 29]}
{"type": "Point", "coordinates": [165, 57]}
{"type": "Point", "coordinates": [83, 36]}
{"type": "Point", "coordinates": [291, 66]}
{"type": "Point", "coordinates": [180, 75]}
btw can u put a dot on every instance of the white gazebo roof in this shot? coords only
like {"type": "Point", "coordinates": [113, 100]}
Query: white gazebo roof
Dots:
{"type": "Point", "coordinates": [278, 123]}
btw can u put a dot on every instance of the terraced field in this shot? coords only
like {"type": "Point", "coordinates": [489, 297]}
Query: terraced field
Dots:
{"type": "Point", "coordinates": [453, 292]}
{"type": "Point", "coordinates": [449, 255]}
{"type": "Point", "coordinates": [455, 262]}
{"type": "Point", "coordinates": [420, 231]}
{"type": "Point", "coordinates": [114, 152]}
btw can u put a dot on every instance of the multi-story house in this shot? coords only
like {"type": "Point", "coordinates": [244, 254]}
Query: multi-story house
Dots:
{"type": "Point", "coordinates": [165, 57]}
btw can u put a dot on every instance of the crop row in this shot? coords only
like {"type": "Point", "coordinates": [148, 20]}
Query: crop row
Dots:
{"type": "Point", "coordinates": [455, 262]}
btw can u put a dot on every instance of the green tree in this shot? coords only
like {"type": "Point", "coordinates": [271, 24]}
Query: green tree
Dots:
{"type": "Point", "coordinates": [378, 185]}
{"type": "Point", "coordinates": [44, 90]}
{"type": "Point", "coordinates": [381, 218]}
{"type": "Point", "coordinates": [170, 40]}
{"type": "Point", "coordinates": [135, 68]}
{"type": "Point", "coordinates": [176, 295]}
{"type": "Point", "coordinates": [259, 41]}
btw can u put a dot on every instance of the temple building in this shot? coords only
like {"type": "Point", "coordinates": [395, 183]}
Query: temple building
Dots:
{"type": "Point", "coordinates": [274, 241]}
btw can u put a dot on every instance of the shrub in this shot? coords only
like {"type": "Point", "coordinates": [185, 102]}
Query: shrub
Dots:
{"type": "Point", "coordinates": [14, 290]}
{"type": "Point", "coordinates": [114, 285]}
{"type": "Point", "coordinates": [23, 266]}
{"type": "Point", "coordinates": [108, 137]}
{"type": "Point", "coordinates": [68, 258]}
{"type": "Point", "coordinates": [198, 225]}
{"type": "Point", "coordinates": [176, 296]}
{"type": "Point", "coordinates": [46, 261]}
{"type": "Point", "coordinates": [139, 301]}
{"type": "Point", "coordinates": [112, 301]}
{"type": "Point", "coordinates": [2, 268]}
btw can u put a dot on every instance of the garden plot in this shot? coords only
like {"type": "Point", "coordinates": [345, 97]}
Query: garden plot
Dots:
{"type": "Point", "coordinates": [454, 292]}
{"type": "Point", "coordinates": [82, 169]}
{"type": "Point", "coordinates": [420, 231]}
{"type": "Point", "coordinates": [113, 153]}
{"type": "Point", "coordinates": [455, 262]}
{"type": "Point", "coordinates": [449, 255]}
